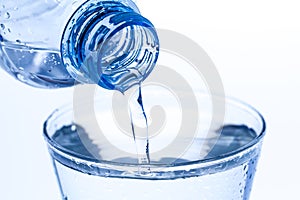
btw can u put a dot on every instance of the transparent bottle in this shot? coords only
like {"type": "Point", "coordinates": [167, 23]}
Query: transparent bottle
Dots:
{"type": "Point", "coordinates": [57, 43]}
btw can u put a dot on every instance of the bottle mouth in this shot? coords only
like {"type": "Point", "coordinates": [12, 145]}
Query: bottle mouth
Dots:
{"type": "Point", "coordinates": [109, 44]}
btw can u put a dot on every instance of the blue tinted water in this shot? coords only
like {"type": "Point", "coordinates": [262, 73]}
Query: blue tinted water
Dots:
{"type": "Point", "coordinates": [143, 153]}
{"type": "Point", "coordinates": [229, 179]}
{"type": "Point", "coordinates": [37, 67]}
{"type": "Point", "coordinates": [231, 138]}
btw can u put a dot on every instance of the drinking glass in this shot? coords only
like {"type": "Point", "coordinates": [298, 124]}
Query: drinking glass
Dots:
{"type": "Point", "coordinates": [217, 166]}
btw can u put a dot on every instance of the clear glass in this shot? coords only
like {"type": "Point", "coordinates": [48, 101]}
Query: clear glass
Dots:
{"type": "Point", "coordinates": [211, 175]}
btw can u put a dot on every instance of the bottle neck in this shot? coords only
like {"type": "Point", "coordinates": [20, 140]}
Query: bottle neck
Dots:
{"type": "Point", "coordinates": [109, 43]}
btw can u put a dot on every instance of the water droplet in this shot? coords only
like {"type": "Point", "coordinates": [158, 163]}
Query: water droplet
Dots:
{"type": "Point", "coordinates": [73, 128]}
{"type": "Point", "coordinates": [107, 173]}
{"type": "Point", "coordinates": [2, 26]}
{"type": "Point", "coordinates": [7, 15]}
{"type": "Point", "coordinates": [21, 77]}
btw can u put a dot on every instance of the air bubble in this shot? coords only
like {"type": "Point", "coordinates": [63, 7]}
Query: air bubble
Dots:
{"type": "Point", "coordinates": [18, 41]}
{"type": "Point", "coordinates": [21, 68]}
{"type": "Point", "coordinates": [2, 26]}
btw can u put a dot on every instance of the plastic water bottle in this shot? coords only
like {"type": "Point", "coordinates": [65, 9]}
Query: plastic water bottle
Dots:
{"type": "Point", "coordinates": [57, 43]}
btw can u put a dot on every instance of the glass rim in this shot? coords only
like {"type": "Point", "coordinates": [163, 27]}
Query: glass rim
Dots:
{"type": "Point", "coordinates": [202, 162]}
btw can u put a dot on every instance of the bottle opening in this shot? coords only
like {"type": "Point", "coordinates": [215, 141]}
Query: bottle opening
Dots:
{"type": "Point", "coordinates": [111, 45]}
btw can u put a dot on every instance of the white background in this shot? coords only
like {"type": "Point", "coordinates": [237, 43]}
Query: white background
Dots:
{"type": "Point", "coordinates": [256, 48]}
